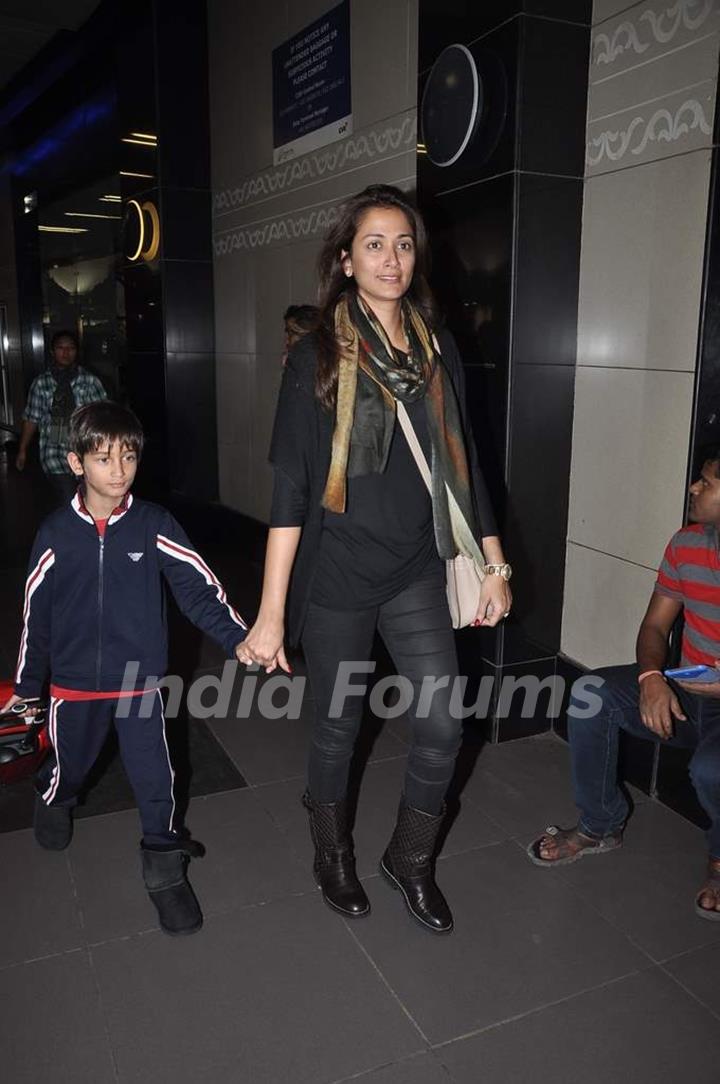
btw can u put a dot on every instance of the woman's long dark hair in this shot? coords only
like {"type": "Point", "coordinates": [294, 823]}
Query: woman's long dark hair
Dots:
{"type": "Point", "coordinates": [334, 282]}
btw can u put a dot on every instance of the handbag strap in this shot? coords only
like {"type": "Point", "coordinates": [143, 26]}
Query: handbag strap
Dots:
{"type": "Point", "coordinates": [466, 542]}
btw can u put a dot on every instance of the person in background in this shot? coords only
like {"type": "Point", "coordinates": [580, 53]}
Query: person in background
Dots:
{"type": "Point", "coordinates": [354, 523]}
{"type": "Point", "coordinates": [52, 398]}
{"type": "Point", "coordinates": [641, 700]}
{"type": "Point", "coordinates": [299, 320]}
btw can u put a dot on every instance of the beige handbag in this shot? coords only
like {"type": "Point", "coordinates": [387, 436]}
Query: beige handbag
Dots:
{"type": "Point", "coordinates": [464, 573]}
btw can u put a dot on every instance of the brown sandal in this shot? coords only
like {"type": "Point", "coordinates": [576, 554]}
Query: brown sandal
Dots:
{"type": "Point", "coordinates": [571, 844]}
{"type": "Point", "coordinates": [712, 885]}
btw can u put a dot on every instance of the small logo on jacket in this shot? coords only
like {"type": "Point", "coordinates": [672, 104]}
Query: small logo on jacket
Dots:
{"type": "Point", "coordinates": [135, 556]}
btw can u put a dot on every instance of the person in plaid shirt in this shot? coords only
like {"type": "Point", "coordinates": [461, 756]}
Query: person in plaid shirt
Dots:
{"type": "Point", "coordinates": [51, 400]}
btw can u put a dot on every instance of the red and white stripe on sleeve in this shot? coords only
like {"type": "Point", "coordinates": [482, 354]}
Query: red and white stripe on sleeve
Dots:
{"type": "Point", "coordinates": [182, 553]}
{"type": "Point", "coordinates": [34, 581]}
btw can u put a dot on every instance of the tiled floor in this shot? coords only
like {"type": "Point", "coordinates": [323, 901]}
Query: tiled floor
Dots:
{"type": "Point", "coordinates": [574, 975]}
{"type": "Point", "coordinates": [582, 975]}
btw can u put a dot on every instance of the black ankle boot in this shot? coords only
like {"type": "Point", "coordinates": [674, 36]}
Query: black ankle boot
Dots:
{"type": "Point", "coordinates": [334, 860]}
{"type": "Point", "coordinates": [408, 865]}
{"type": "Point", "coordinates": [52, 825]}
{"type": "Point", "coordinates": [164, 866]}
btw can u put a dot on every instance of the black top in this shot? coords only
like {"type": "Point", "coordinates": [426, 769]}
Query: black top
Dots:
{"type": "Point", "coordinates": [385, 539]}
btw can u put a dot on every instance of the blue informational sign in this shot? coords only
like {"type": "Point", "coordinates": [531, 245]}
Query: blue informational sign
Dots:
{"type": "Point", "coordinates": [311, 86]}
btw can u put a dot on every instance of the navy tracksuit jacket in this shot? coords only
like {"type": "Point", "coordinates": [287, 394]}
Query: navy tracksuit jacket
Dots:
{"type": "Point", "coordinates": [94, 604]}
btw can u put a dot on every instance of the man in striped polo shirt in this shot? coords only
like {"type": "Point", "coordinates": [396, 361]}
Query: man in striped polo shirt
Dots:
{"type": "Point", "coordinates": [640, 700]}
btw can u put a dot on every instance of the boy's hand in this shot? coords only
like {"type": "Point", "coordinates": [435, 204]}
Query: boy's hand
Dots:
{"type": "Point", "coordinates": [263, 645]}
{"type": "Point", "coordinates": [15, 699]}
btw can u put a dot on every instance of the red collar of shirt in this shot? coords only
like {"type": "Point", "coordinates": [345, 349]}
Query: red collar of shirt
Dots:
{"type": "Point", "coordinates": [122, 507]}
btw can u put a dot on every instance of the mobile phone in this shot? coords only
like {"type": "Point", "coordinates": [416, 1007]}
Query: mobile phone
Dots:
{"type": "Point", "coordinates": [695, 674]}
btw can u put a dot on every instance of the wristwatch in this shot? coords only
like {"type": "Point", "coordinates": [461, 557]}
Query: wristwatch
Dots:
{"type": "Point", "coordinates": [498, 570]}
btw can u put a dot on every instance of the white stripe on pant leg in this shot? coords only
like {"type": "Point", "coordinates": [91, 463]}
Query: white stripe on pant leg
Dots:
{"type": "Point", "coordinates": [50, 793]}
{"type": "Point", "coordinates": [170, 767]}
{"type": "Point", "coordinates": [55, 784]}
{"type": "Point", "coordinates": [51, 736]}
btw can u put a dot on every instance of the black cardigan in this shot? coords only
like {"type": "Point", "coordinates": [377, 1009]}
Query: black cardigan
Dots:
{"type": "Point", "coordinates": [301, 446]}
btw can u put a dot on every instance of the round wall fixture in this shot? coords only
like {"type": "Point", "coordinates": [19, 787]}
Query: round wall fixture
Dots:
{"type": "Point", "coordinates": [452, 104]}
{"type": "Point", "coordinates": [142, 231]}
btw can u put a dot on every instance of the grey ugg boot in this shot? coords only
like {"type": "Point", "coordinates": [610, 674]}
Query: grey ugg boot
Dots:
{"type": "Point", "coordinates": [52, 825]}
{"type": "Point", "coordinates": [164, 867]}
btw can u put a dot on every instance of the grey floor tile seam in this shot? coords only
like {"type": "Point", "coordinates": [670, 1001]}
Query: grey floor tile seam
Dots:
{"type": "Point", "coordinates": [76, 896]}
{"type": "Point", "coordinates": [103, 1014]}
{"type": "Point", "coordinates": [537, 1009]}
{"type": "Point", "coordinates": [208, 915]}
{"type": "Point", "coordinates": [42, 959]}
{"type": "Point", "coordinates": [488, 817]}
{"type": "Point", "coordinates": [689, 952]}
{"type": "Point", "coordinates": [589, 901]}
{"type": "Point", "coordinates": [388, 986]}
{"type": "Point", "coordinates": [391, 1064]}
{"type": "Point", "coordinates": [690, 993]}
{"type": "Point", "coordinates": [293, 778]}
{"type": "Point", "coordinates": [472, 848]}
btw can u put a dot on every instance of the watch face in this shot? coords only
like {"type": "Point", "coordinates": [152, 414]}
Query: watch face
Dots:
{"type": "Point", "coordinates": [452, 105]}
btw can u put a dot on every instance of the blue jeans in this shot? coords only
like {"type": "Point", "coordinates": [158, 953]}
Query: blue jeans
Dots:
{"type": "Point", "coordinates": [594, 751]}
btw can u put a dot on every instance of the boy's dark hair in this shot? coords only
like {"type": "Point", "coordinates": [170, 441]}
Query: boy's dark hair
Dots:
{"type": "Point", "coordinates": [101, 423]}
{"type": "Point", "coordinates": [303, 316]}
{"type": "Point", "coordinates": [64, 334]}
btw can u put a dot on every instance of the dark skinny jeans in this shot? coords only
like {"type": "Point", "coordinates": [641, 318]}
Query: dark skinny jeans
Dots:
{"type": "Point", "coordinates": [416, 629]}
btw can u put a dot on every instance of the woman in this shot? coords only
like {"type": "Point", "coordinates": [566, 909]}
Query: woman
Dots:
{"type": "Point", "coordinates": [354, 523]}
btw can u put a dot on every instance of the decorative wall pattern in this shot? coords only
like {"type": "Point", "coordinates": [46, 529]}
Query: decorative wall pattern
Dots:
{"type": "Point", "coordinates": [392, 137]}
{"type": "Point", "coordinates": [638, 34]}
{"type": "Point", "coordinates": [276, 231]}
{"type": "Point", "coordinates": [663, 126]}
{"type": "Point", "coordinates": [651, 112]}
{"type": "Point", "coordinates": [268, 221]}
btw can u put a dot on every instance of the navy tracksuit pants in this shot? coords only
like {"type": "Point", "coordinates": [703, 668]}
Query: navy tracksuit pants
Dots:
{"type": "Point", "coordinates": [78, 729]}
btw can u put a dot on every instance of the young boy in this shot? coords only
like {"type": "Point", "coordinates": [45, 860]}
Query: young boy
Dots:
{"type": "Point", "coordinates": [94, 602]}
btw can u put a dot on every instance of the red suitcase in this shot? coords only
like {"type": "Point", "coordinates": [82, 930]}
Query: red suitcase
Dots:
{"type": "Point", "coordinates": [24, 740]}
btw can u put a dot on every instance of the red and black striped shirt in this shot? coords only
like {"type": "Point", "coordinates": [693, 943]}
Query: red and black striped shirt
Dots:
{"type": "Point", "coordinates": [690, 573]}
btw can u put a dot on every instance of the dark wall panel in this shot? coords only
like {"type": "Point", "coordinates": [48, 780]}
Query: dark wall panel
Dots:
{"type": "Point", "coordinates": [554, 63]}
{"type": "Point", "coordinates": [192, 425]}
{"type": "Point", "coordinates": [505, 223]}
{"type": "Point", "coordinates": [549, 227]}
{"type": "Point", "coordinates": [538, 486]}
{"type": "Point", "coordinates": [446, 21]}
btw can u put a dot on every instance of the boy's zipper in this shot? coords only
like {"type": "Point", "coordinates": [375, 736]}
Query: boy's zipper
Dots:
{"type": "Point", "coordinates": [101, 562]}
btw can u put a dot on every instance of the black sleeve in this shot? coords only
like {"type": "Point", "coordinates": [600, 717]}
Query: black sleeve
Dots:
{"type": "Point", "coordinates": [292, 447]}
{"type": "Point", "coordinates": [289, 505]}
{"type": "Point", "coordinates": [196, 588]}
{"type": "Point", "coordinates": [486, 517]}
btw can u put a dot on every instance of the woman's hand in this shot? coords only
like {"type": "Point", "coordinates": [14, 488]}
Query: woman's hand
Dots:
{"type": "Point", "coordinates": [495, 601]}
{"type": "Point", "coordinates": [263, 646]}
